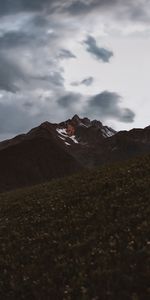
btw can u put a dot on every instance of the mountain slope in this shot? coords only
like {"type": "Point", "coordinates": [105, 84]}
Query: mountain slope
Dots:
{"type": "Point", "coordinates": [34, 162]}
{"type": "Point", "coordinates": [83, 237]}
{"type": "Point", "coordinates": [46, 152]}
{"type": "Point", "coordinates": [55, 150]}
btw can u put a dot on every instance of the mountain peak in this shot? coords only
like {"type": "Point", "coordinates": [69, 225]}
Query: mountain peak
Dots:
{"type": "Point", "coordinates": [76, 118]}
{"type": "Point", "coordinates": [97, 123]}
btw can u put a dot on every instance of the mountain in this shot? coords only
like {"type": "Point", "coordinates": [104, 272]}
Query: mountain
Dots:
{"type": "Point", "coordinates": [33, 158]}
{"type": "Point", "coordinates": [82, 237]}
{"type": "Point", "coordinates": [56, 150]}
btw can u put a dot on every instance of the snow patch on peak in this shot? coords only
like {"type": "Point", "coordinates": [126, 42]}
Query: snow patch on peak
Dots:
{"type": "Point", "coordinates": [67, 144]}
{"type": "Point", "coordinates": [62, 138]}
{"type": "Point", "coordinates": [62, 131]}
{"type": "Point", "coordinates": [63, 135]}
{"type": "Point", "coordinates": [107, 132]}
{"type": "Point", "coordinates": [73, 138]}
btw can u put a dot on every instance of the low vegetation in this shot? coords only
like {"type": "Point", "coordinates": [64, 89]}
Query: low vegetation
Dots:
{"type": "Point", "coordinates": [85, 237]}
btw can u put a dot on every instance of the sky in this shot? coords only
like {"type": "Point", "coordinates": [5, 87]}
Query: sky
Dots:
{"type": "Point", "coordinates": [64, 57]}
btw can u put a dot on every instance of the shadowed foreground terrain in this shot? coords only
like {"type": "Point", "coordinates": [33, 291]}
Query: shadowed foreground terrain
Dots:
{"type": "Point", "coordinates": [85, 237]}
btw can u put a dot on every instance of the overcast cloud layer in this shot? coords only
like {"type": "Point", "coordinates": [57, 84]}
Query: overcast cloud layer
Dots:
{"type": "Point", "coordinates": [40, 40]}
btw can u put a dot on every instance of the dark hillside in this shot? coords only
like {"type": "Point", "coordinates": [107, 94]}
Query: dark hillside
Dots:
{"type": "Point", "coordinates": [85, 237]}
{"type": "Point", "coordinates": [34, 161]}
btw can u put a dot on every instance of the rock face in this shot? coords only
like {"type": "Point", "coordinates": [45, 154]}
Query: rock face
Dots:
{"type": "Point", "coordinates": [70, 130]}
{"type": "Point", "coordinates": [87, 131]}
{"type": "Point", "coordinates": [55, 150]}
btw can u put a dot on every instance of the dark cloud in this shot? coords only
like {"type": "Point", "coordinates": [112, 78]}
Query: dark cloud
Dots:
{"type": "Point", "coordinates": [20, 113]}
{"type": "Point", "coordinates": [35, 5]}
{"type": "Point", "coordinates": [65, 54]}
{"type": "Point", "coordinates": [15, 77]}
{"type": "Point", "coordinates": [10, 75]}
{"type": "Point", "coordinates": [103, 106]}
{"type": "Point", "coordinates": [87, 81]}
{"type": "Point", "coordinates": [13, 119]}
{"type": "Point", "coordinates": [10, 7]}
{"type": "Point", "coordinates": [79, 7]}
{"type": "Point", "coordinates": [40, 21]}
{"type": "Point", "coordinates": [85, 6]}
{"type": "Point", "coordinates": [136, 10]}
{"type": "Point", "coordinates": [27, 61]}
{"type": "Point", "coordinates": [68, 100]}
{"type": "Point", "coordinates": [99, 53]}
{"type": "Point", "coordinates": [107, 105]}
{"type": "Point", "coordinates": [28, 104]}
{"type": "Point", "coordinates": [55, 79]}
{"type": "Point", "coordinates": [133, 10]}
{"type": "Point", "coordinates": [13, 39]}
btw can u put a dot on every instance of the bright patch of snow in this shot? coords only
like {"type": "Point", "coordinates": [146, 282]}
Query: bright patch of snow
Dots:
{"type": "Point", "coordinates": [62, 131]}
{"type": "Point", "coordinates": [67, 144]}
{"type": "Point", "coordinates": [63, 135]}
{"type": "Point", "coordinates": [73, 138]}
{"type": "Point", "coordinates": [107, 132]}
{"type": "Point", "coordinates": [62, 138]}
{"type": "Point", "coordinates": [83, 125]}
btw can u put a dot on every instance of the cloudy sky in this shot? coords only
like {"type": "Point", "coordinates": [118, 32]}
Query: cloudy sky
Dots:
{"type": "Point", "coordinates": [64, 57]}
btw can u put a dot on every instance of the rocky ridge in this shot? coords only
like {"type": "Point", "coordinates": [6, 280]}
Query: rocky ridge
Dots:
{"type": "Point", "coordinates": [56, 150]}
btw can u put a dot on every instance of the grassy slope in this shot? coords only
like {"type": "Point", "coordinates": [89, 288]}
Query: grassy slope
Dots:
{"type": "Point", "coordinates": [83, 238]}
